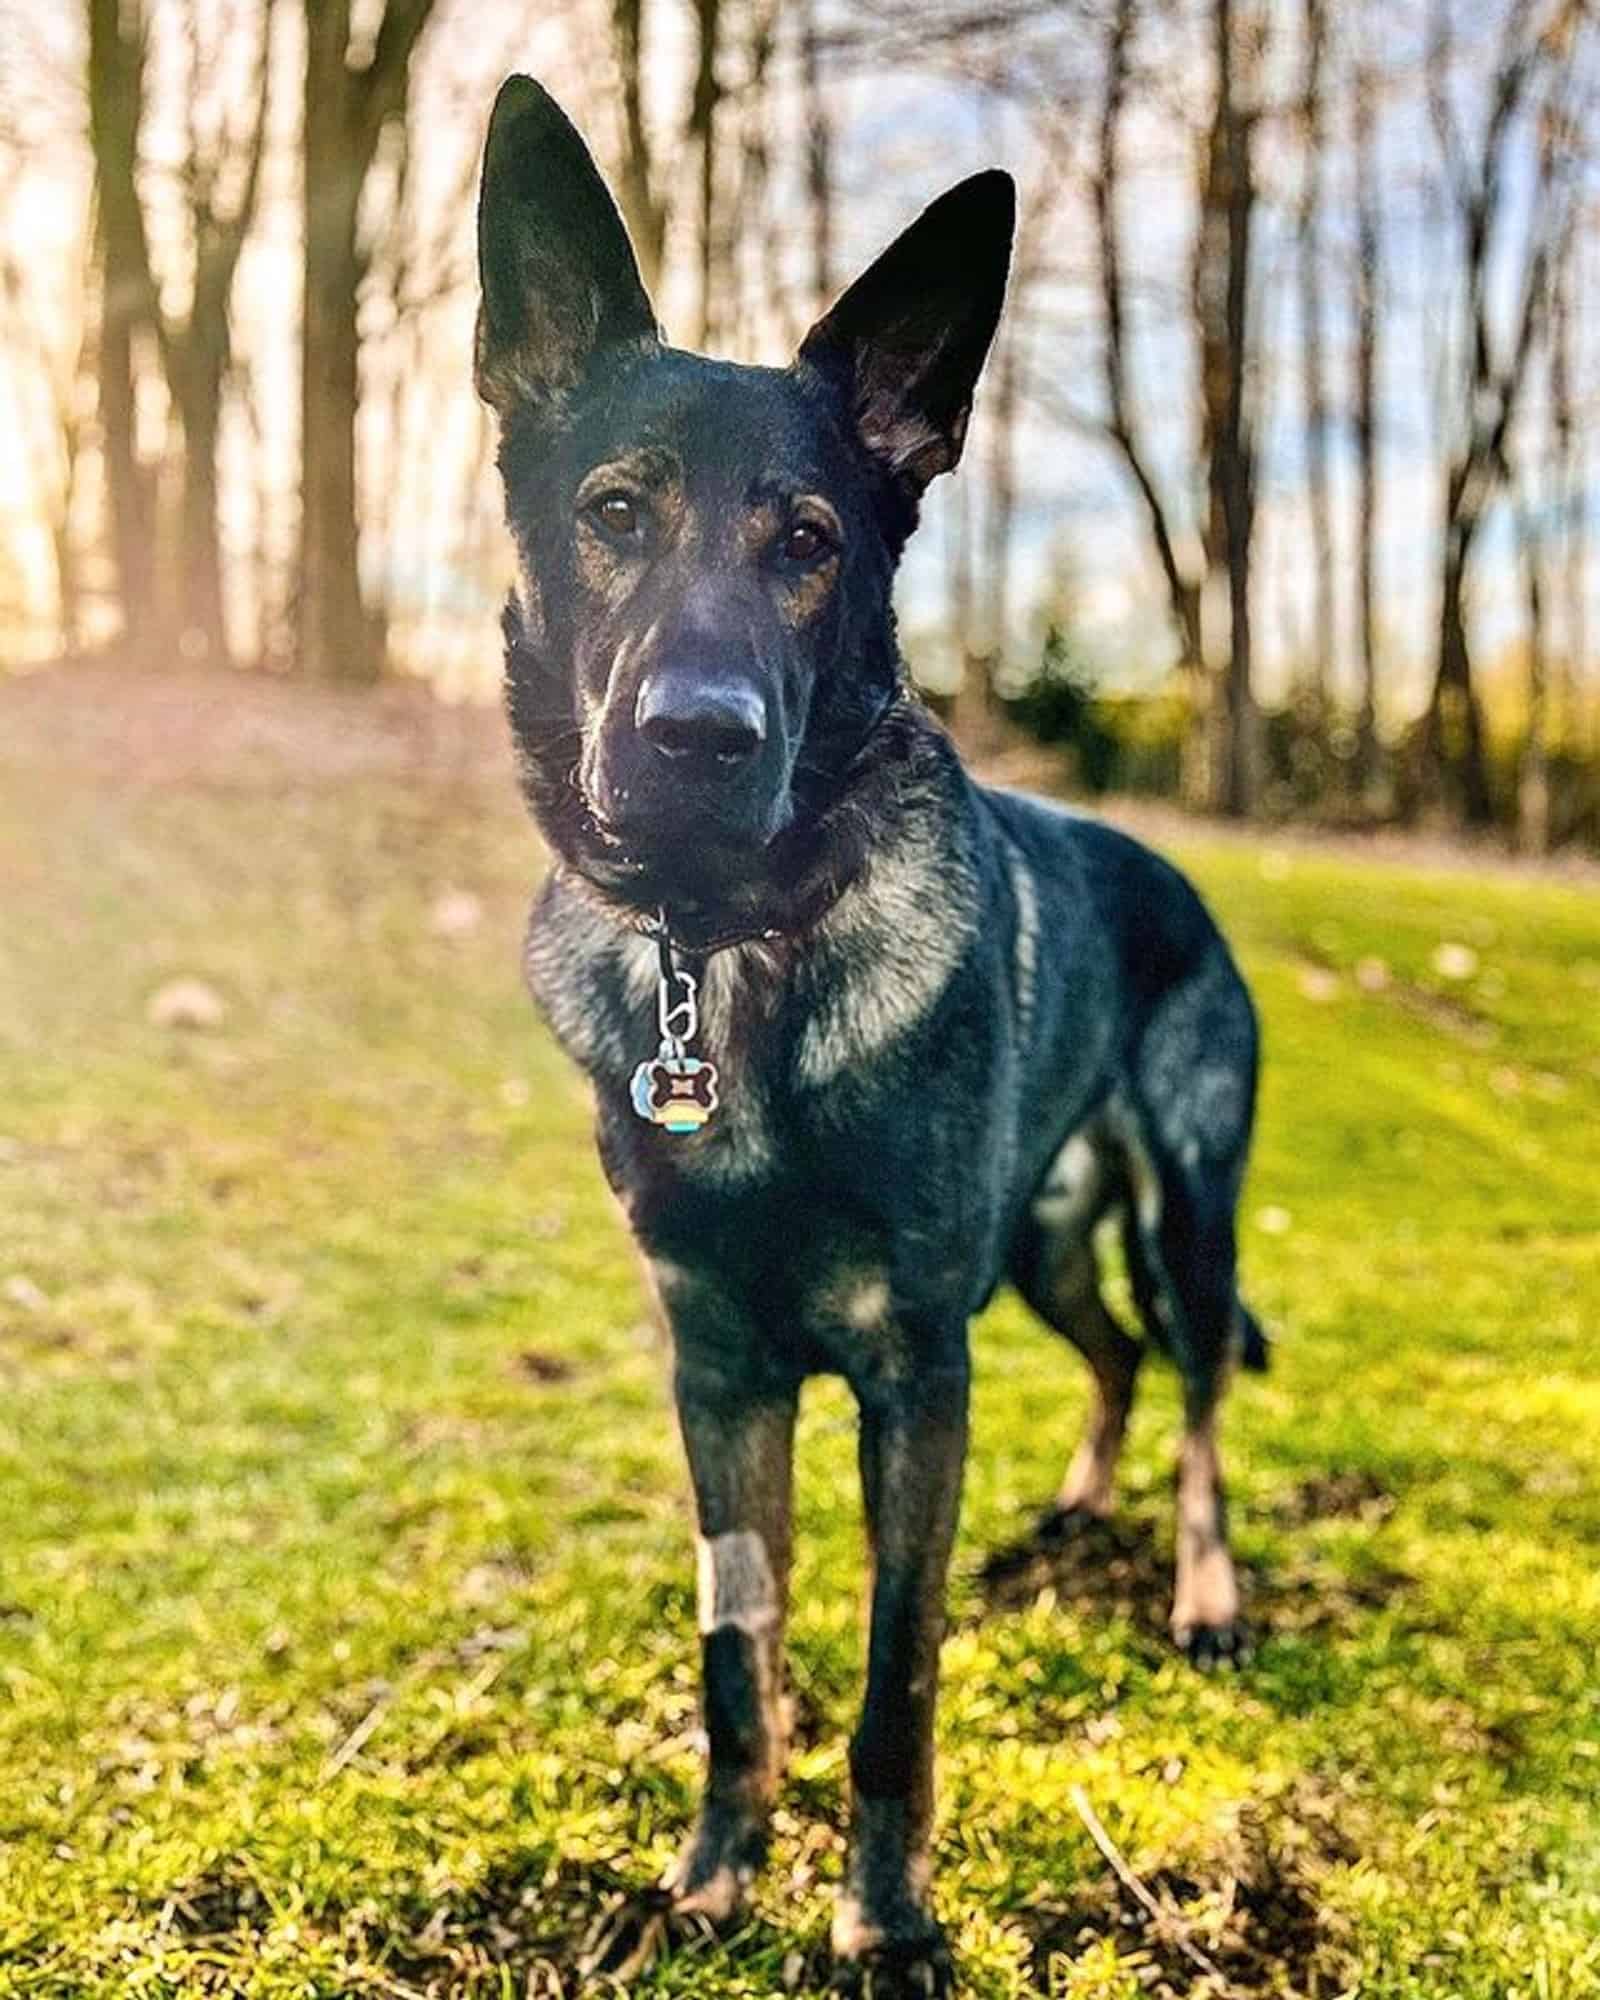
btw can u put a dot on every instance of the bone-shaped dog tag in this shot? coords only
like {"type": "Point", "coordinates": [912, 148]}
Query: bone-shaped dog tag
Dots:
{"type": "Point", "coordinates": [676, 1092]}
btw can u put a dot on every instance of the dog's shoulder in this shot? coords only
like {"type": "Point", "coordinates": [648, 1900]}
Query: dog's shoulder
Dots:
{"type": "Point", "coordinates": [592, 978]}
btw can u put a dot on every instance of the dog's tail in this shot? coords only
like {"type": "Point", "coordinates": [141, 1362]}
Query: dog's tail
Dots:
{"type": "Point", "coordinates": [1255, 1350]}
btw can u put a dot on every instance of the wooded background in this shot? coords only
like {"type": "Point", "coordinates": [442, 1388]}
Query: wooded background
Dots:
{"type": "Point", "coordinates": [1280, 495]}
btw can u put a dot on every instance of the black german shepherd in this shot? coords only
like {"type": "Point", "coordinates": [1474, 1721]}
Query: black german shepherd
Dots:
{"type": "Point", "coordinates": [865, 1037]}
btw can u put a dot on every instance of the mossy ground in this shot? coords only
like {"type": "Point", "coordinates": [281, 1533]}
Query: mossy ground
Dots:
{"type": "Point", "coordinates": [345, 1621]}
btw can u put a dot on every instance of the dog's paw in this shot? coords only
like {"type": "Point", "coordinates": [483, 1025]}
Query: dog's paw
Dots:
{"type": "Point", "coordinates": [911, 1969]}
{"type": "Point", "coordinates": [1210, 1647]}
{"type": "Point", "coordinates": [634, 1930]}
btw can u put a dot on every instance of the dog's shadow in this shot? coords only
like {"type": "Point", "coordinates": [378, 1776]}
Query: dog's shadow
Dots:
{"type": "Point", "coordinates": [1122, 1568]}
{"type": "Point", "coordinates": [549, 1929]}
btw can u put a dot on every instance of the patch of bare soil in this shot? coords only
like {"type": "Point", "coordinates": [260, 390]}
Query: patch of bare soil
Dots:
{"type": "Point", "coordinates": [1121, 1568]}
{"type": "Point", "coordinates": [1252, 1925]}
{"type": "Point", "coordinates": [1337, 1495]}
{"type": "Point", "coordinates": [237, 730]}
{"type": "Point", "coordinates": [533, 1921]}
{"type": "Point", "coordinates": [220, 1902]}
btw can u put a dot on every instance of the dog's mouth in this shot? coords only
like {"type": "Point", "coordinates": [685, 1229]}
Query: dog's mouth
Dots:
{"type": "Point", "coordinates": [681, 862]}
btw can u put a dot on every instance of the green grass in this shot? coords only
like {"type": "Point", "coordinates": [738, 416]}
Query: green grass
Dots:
{"type": "Point", "coordinates": [345, 1627]}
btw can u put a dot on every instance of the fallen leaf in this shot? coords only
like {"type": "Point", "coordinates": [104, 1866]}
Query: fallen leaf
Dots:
{"type": "Point", "coordinates": [1318, 983]}
{"type": "Point", "coordinates": [457, 913]}
{"type": "Point", "coordinates": [1455, 961]}
{"type": "Point", "coordinates": [186, 1003]}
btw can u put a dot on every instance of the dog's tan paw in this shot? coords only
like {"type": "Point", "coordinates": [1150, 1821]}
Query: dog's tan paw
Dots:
{"type": "Point", "coordinates": [1209, 1647]}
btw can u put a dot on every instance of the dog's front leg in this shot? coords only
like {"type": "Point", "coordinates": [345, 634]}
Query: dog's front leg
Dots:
{"type": "Point", "coordinates": [738, 1433]}
{"type": "Point", "coordinates": [913, 1445]}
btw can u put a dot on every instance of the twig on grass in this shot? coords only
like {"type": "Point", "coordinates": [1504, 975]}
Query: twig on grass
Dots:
{"type": "Point", "coordinates": [357, 1740]}
{"type": "Point", "coordinates": [1167, 1919]}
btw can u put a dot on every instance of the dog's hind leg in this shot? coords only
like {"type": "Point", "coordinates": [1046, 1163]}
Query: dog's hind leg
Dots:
{"type": "Point", "coordinates": [1061, 1283]}
{"type": "Point", "coordinates": [1205, 1601]}
{"type": "Point", "coordinates": [1185, 1130]}
{"type": "Point", "coordinates": [1183, 1270]}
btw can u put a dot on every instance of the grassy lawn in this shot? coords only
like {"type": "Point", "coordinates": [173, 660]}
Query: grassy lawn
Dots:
{"type": "Point", "coordinates": [346, 1636]}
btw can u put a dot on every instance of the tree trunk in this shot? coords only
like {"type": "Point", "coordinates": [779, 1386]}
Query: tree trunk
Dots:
{"type": "Point", "coordinates": [703, 130]}
{"type": "Point", "coordinates": [1453, 739]}
{"type": "Point", "coordinates": [1323, 641]}
{"type": "Point", "coordinates": [128, 314]}
{"type": "Point", "coordinates": [819, 159]}
{"type": "Point", "coordinates": [644, 214]}
{"type": "Point", "coordinates": [346, 111]}
{"type": "Point", "coordinates": [203, 632]}
{"type": "Point", "coordinates": [1366, 428]}
{"type": "Point", "coordinates": [1183, 591]}
{"type": "Point", "coordinates": [1533, 772]}
{"type": "Point", "coordinates": [337, 638]}
{"type": "Point", "coordinates": [1222, 271]}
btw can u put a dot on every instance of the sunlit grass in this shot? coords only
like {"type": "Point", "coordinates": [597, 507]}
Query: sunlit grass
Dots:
{"type": "Point", "coordinates": [345, 1626]}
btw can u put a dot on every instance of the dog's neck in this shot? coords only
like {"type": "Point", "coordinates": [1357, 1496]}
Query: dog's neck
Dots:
{"type": "Point", "coordinates": [808, 868]}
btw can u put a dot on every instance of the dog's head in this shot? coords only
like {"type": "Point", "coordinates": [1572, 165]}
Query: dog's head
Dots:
{"type": "Point", "coordinates": [702, 639]}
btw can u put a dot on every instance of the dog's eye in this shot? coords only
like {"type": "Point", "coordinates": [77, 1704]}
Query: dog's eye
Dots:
{"type": "Point", "coordinates": [805, 542]}
{"type": "Point", "coordinates": [618, 516]}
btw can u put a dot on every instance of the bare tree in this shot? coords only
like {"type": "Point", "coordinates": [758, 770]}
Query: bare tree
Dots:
{"type": "Point", "coordinates": [170, 583]}
{"type": "Point", "coordinates": [1368, 282]}
{"type": "Point", "coordinates": [1183, 589]}
{"type": "Point", "coordinates": [1312, 363]}
{"type": "Point", "coordinates": [819, 157]}
{"type": "Point", "coordinates": [1567, 477]}
{"type": "Point", "coordinates": [1533, 771]}
{"type": "Point", "coordinates": [703, 135]}
{"type": "Point", "coordinates": [128, 308]}
{"type": "Point", "coordinates": [643, 208]}
{"type": "Point", "coordinates": [1210, 606]}
{"type": "Point", "coordinates": [355, 88]}
{"type": "Point", "coordinates": [1534, 67]}
{"type": "Point", "coordinates": [197, 349]}
{"type": "Point", "coordinates": [1222, 301]}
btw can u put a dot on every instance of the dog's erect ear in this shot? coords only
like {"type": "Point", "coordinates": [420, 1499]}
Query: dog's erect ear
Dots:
{"type": "Point", "coordinates": [558, 273]}
{"type": "Point", "coordinates": [907, 340]}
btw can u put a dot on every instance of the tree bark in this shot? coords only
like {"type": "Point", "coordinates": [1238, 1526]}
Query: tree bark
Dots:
{"type": "Point", "coordinates": [346, 110]}
{"type": "Point", "coordinates": [819, 159]}
{"type": "Point", "coordinates": [703, 133]}
{"type": "Point", "coordinates": [1534, 64]}
{"type": "Point", "coordinates": [128, 314]}
{"type": "Point", "coordinates": [1367, 278]}
{"type": "Point", "coordinates": [1454, 734]}
{"type": "Point", "coordinates": [644, 213]}
{"type": "Point", "coordinates": [1533, 773]}
{"type": "Point", "coordinates": [1221, 295]}
{"type": "Point", "coordinates": [198, 353]}
{"type": "Point", "coordinates": [1183, 590]}
{"type": "Point", "coordinates": [1325, 611]}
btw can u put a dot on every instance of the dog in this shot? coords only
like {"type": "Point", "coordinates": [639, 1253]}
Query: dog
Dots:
{"type": "Point", "coordinates": [866, 1038]}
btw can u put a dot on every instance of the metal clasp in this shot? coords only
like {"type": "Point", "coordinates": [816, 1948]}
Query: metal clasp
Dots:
{"type": "Point", "coordinates": [679, 1016]}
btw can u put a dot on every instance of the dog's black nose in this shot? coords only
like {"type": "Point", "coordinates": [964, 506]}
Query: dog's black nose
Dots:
{"type": "Point", "coordinates": [707, 725]}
